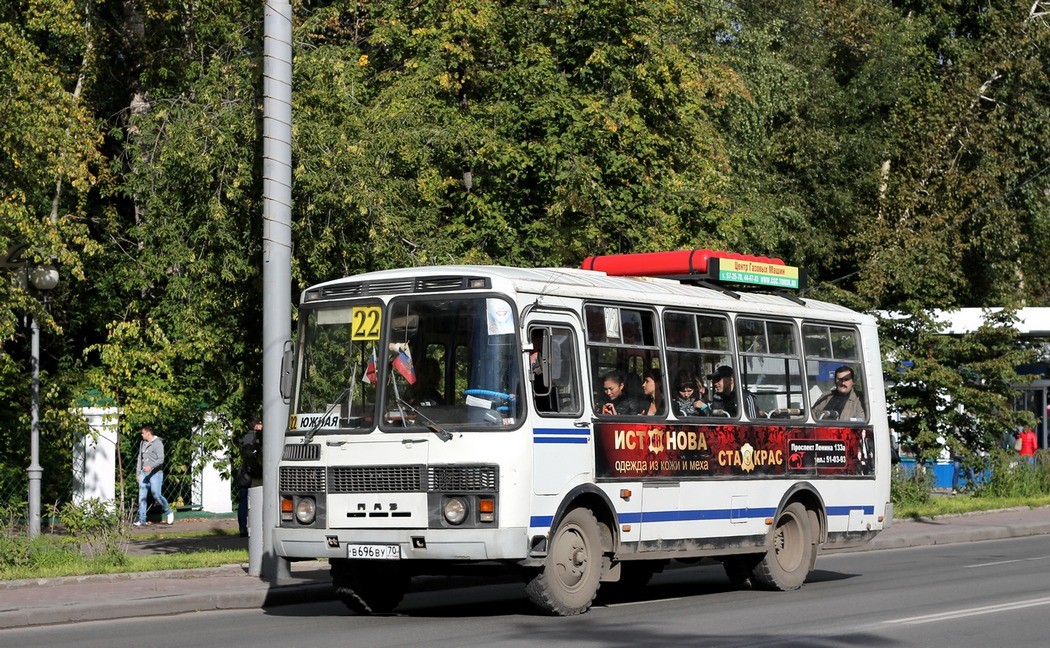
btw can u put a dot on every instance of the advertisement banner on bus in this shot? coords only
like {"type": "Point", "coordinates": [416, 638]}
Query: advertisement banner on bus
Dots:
{"type": "Point", "coordinates": [638, 451]}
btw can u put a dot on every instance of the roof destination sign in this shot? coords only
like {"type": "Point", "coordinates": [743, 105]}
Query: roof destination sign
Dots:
{"type": "Point", "coordinates": [755, 273]}
{"type": "Point", "coordinates": [711, 265]}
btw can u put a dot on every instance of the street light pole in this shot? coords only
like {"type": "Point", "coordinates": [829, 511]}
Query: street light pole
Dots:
{"type": "Point", "coordinates": [35, 470]}
{"type": "Point", "coordinates": [43, 278]}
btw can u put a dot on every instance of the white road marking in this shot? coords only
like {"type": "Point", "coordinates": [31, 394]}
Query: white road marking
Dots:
{"type": "Point", "coordinates": [1006, 562]}
{"type": "Point", "coordinates": [958, 614]}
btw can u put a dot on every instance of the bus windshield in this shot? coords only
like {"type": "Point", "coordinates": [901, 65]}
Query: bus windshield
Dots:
{"type": "Point", "coordinates": [337, 384]}
{"type": "Point", "coordinates": [452, 362]}
{"type": "Point", "coordinates": [444, 362]}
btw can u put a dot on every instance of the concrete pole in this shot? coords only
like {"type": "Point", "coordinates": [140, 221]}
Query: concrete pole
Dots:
{"type": "Point", "coordinates": [277, 259]}
{"type": "Point", "coordinates": [35, 470]}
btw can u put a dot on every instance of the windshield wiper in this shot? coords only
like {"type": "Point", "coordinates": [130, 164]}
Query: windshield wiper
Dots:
{"type": "Point", "coordinates": [430, 424]}
{"type": "Point", "coordinates": [309, 436]}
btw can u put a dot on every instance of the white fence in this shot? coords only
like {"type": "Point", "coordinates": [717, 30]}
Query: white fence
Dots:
{"type": "Point", "coordinates": [95, 467]}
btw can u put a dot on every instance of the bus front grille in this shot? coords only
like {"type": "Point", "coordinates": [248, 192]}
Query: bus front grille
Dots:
{"type": "Point", "coordinates": [301, 452]}
{"type": "Point", "coordinates": [390, 479]}
{"type": "Point", "coordinates": [376, 479]}
{"type": "Point", "coordinates": [477, 479]}
{"type": "Point", "coordinates": [302, 480]}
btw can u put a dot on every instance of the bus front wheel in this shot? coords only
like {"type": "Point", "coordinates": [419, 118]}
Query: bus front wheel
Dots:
{"type": "Point", "coordinates": [568, 581]}
{"type": "Point", "coordinates": [368, 587]}
{"type": "Point", "coordinates": [793, 552]}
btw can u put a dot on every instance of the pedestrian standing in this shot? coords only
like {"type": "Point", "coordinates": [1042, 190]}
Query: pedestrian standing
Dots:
{"type": "Point", "coordinates": [150, 471]}
{"type": "Point", "coordinates": [1028, 445]}
{"type": "Point", "coordinates": [250, 472]}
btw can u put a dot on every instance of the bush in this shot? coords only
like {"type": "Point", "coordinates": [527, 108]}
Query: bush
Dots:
{"type": "Point", "coordinates": [1014, 476]}
{"type": "Point", "coordinates": [95, 528]}
{"type": "Point", "coordinates": [910, 487]}
{"type": "Point", "coordinates": [93, 537]}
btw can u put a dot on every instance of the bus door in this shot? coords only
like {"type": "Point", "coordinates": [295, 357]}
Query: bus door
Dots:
{"type": "Point", "coordinates": [562, 445]}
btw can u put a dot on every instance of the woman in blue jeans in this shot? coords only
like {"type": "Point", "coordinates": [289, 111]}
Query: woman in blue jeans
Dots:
{"type": "Point", "coordinates": [151, 475]}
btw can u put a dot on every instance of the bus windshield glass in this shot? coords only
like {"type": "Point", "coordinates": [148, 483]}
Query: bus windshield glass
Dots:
{"type": "Point", "coordinates": [337, 384]}
{"type": "Point", "coordinates": [454, 363]}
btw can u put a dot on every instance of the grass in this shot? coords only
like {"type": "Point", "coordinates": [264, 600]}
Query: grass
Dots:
{"type": "Point", "coordinates": [963, 503]}
{"type": "Point", "coordinates": [74, 564]}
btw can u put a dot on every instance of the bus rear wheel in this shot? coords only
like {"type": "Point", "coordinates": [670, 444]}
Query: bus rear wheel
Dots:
{"type": "Point", "coordinates": [790, 559]}
{"type": "Point", "coordinates": [368, 587]}
{"type": "Point", "coordinates": [568, 581]}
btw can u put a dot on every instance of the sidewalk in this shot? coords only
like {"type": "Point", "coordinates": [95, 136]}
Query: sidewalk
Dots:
{"type": "Point", "coordinates": [88, 598]}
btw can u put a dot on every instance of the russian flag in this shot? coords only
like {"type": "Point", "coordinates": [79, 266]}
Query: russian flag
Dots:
{"type": "Point", "coordinates": [370, 370]}
{"type": "Point", "coordinates": [403, 364]}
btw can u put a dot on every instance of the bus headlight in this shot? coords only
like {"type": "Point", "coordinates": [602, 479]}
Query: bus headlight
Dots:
{"type": "Point", "coordinates": [305, 510]}
{"type": "Point", "coordinates": [455, 510]}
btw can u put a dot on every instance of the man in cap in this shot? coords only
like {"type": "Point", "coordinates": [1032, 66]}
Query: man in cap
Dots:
{"type": "Point", "coordinates": [723, 380]}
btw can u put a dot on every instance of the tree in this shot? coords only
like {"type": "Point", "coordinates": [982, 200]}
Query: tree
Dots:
{"type": "Point", "coordinates": [49, 164]}
{"type": "Point", "coordinates": [954, 390]}
{"type": "Point", "coordinates": [528, 133]}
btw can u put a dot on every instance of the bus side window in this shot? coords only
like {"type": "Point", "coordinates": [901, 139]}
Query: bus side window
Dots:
{"type": "Point", "coordinates": [833, 352]}
{"type": "Point", "coordinates": [622, 347]}
{"type": "Point", "coordinates": [697, 344]}
{"type": "Point", "coordinates": [770, 368]}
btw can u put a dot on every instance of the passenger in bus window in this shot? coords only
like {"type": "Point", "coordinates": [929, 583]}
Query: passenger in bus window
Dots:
{"type": "Point", "coordinates": [687, 400]}
{"type": "Point", "coordinates": [652, 388]}
{"type": "Point", "coordinates": [425, 390]}
{"type": "Point", "coordinates": [724, 382]}
{"type": "Point", "coordinates": [615, 400]}
{"type": "Point", "coordinates": [842, 402]}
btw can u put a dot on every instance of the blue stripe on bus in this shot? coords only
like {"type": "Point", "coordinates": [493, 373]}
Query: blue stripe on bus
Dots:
{"type": "Point", "coordinates": [569, 431]}
{"type": "Point", "coordinates": [561, 440]}
{"type": "Point", "coordinates": [541, 521]}
{"type": "Point", "coordinates": [845, 510]}
{"type": "Point", "coordinates": [560, 435]}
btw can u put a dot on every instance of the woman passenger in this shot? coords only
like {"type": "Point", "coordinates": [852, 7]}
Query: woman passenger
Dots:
{"type": "Point", "coordinates": [689, 395]}
{"type": "Point", "coordinates": [652, 388]}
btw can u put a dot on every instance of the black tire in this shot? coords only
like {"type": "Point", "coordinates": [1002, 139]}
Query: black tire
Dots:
{"type": "Point", "coordinates": [793, 552]}
{"type": "Point", "coordinates": [367, 586]}
{"type": "Point", "coordinates": [739, 569]}
{"type": "Point", "coordinates": [569, 579]}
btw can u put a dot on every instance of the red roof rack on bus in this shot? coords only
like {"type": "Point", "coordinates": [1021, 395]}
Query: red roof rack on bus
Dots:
{"type": "Point", "coordinates": [701, 265]}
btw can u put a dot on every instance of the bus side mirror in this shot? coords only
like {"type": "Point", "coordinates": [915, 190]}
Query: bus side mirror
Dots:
{"type": "Point", "coordinates": [541, 369]}
{"type": "Point", "coordinates": [287, 371]}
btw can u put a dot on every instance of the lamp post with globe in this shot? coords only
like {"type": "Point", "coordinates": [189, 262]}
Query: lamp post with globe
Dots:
{"type": "Point", "coordinates": [43, 278]}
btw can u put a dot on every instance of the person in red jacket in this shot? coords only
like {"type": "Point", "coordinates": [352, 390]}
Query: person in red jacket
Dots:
{"type": "Point", "coordinates": [1028, 444]}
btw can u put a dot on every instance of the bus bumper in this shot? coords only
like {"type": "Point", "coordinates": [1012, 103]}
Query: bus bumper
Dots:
{"type": "Point", "coordinates": [416, 544]}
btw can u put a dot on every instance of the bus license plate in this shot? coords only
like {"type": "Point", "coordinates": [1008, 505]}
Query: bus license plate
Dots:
{"type": "Point", "coordinates": [374, 552]}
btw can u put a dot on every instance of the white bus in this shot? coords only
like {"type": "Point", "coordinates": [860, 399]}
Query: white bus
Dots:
{"type": "Point", "coordinates": [450, 418]}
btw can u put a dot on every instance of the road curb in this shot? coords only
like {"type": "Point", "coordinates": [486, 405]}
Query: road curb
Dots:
{"type": "Point", "coordinates": [1002, 532]}
{"type": "Point", "coordinates": [171, 603]}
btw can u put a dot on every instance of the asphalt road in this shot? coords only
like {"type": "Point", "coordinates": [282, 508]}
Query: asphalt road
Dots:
{"type": "Point", "coordinates": [979, 594]}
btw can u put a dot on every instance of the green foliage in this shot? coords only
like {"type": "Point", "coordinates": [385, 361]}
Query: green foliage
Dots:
{"type": "Point", "coordinates": [95, 526]}
{"type": "Point", "coordinates": [953, 390]}
{"type": "Point", "coordinates": [526, 133]}
{"type": "Point", "coordinates": [910, 488]}
{"type": "Point", "coordinates": [896, 150]}
{"type": "Point", "coordinates": [1002, 480]}
{"type": "Point", "coordinates": [1013, 476]}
